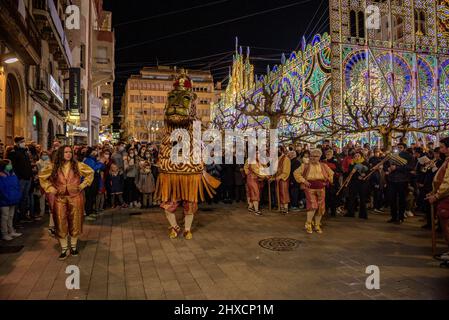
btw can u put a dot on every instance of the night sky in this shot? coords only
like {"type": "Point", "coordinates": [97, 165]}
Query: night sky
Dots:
{"type": "Point", "coordinates": [268, 34]}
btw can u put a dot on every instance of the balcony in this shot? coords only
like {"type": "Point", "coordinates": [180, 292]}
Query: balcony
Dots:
{"type": "Point", "coordinates": [103, 58]}
{"type": "Point", "coordinates": [20, 33]}
{"type": "Point", "coordinates": [52, 30]}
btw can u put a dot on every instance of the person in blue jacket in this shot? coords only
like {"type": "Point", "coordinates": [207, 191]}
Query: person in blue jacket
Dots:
{"type": "Point", "coordinates": [91, 191]}
{"type": "Point", "coordinates": [10, 196]}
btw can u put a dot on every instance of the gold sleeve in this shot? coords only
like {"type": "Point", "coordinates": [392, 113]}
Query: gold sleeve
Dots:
{"type": "Point", "coordinates": [87, 173]}
{"type": "Point", "coordinates": [246, 168]}
{"type": "Point", "coordinates": [443, 190]}
{"type": "Point", "coordinates": [298, 174]}
{"type": "Point", "coordinates": [44, 179]}
{"type": "Point", "coordinates": [284, 172]}
{"type": "Point", "coordinates": [330, 173]}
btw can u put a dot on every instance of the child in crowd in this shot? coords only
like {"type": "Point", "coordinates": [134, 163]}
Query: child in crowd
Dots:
{"type": "Point", "coordinates": [116, 185]}
{"type": "Point", "coordinates": [145, 183]}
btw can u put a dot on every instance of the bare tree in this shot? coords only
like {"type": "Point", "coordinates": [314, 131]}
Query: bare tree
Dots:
{"type": "Point", "coordinates": [385, 120]}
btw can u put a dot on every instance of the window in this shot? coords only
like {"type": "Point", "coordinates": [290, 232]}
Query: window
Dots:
{"type": "Point", "coordinates": [398, 29]}
{"type": "Point", "coordinates": [83, 56]}
{"type": "Point", "coordinates": [420, 22]}
{"type": "Point", "coordinates": [353, 24]}
{"type": "Point", "coordinates": [361, 24]}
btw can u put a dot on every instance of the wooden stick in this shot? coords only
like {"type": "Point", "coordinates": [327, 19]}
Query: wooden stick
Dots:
{"type": "Point", "coordinates": [269, 194]}
{"type": "Point", "coordinates": [277, 195]}
{"type": "Point", "coordinates": [434, 240]}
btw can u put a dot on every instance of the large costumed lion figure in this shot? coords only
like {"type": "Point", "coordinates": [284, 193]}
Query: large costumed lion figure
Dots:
{"type": "Point", "coordinates": [181, 184]}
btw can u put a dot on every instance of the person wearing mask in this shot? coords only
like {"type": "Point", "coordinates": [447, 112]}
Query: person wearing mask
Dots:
{"type": "Point", "coordinates": [92, 190]}
{"type": "Point", "coordinates": [145, 183]}
{"type": "Point", "coordinates": [398, 177]}
{"type": "Point", "coordinates": [332, 188]}
{"type": "Point", "coordinates": [254, 185]}
{"type": "Point", "coordinates": [439, 197]}
{"type": "Point", "coordinates": [10, 196]}
{"type": "Point", "coordinates": [21, 163]}
{"type": "Point", "coordinates": [358, 186]}
{"type": "Point", "coordinates": [304, 159]}
{"type": "Point", "coordinates": [44, 161]}
{"type": "Point", "coordinates": [116, 185]}
{"type": "Point", "coordinates": [314, 177]}
{"type": "Point", "coordinates": [63, 179]}
{"type": "Point", "coordinates": [282, 180]}
{"type": "Point", "coordinates": [377, 181]}
{"type": "Point", "coordinates": [294, 185]}
{"type": "Point", "coordinates": [118, 156]}
{"type": "Point", "coordinates": [131, 193]}
{"type": "Point", "coordinates": [107, 163]}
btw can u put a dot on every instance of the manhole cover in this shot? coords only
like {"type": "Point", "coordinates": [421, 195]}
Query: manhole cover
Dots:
{"type": "Point", "coordinates": [280, 244]}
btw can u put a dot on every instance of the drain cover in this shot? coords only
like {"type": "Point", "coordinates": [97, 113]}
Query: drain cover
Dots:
{"type": "Point", "coordinates": [280, 244]}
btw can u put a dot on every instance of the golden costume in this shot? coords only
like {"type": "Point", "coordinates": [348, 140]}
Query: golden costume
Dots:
{"type": "Point", "coordinates": [319, 175]}
{"type": "Point", "coordinates": [254, 181]}
{"type": "Point", "coordinates": [67, 199]}
{"type": "Point", "coordinates": [283, 181]}
{"type": "Point", "coordinates": [441, 191]}
{"type": "Point", "coordinates": [181, 184]}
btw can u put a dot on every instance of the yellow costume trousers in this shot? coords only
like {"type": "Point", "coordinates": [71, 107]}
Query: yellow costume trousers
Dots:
{"type": "Point", "coordinates": [68, 214]}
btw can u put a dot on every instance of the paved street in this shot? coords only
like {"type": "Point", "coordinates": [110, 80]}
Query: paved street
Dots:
{"type": "Point", "coordinates": [125, 256]}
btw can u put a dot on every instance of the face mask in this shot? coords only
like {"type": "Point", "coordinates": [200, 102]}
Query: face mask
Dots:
{"type": "Point", "coordinates": [106, 156]}
{"type": "Point", "coordinates": [8, 168]}
{"type": "Point", "coordinates": [22, 145]}
{"type": "Point", "coordinates": [131, 155]}
{"type": "Point", "coordinates": [121, 149]}
{"type": "Point", "coordinates": [147, 155]}
{"type": "Point", "coordinates": [45, 158]}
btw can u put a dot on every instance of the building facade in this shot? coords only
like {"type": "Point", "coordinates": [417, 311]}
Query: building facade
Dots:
{"type": "Point", "coordinates": [93, 51]}
{"type": "Point", "coordinates": [35, 56]}
{"type": "Point", "coordinates": [145, 97]}
{"type": "Point", "coordinates": [37, 52]}
{"type": "Point", "coordinates": [403, 59]}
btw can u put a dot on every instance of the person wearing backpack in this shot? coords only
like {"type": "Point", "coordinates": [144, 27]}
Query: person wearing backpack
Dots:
{"type": "Point", "coordinates": [314, 177]}
{"type": "Point", "coordinates": [10, 196]}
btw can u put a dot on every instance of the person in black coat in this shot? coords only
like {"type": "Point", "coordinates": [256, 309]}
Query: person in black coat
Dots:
{"type": "Point", "coordinates": [21, 162]}
{"type": "Point", "coordinates": [294, 185]}
{"type": "Point", "coordinates": [399, 177]}
{"type": "Point", "coordinates": [358, 187]}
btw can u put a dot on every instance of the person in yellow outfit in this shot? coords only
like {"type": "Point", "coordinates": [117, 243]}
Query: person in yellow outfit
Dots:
{"type": "Point", "coordinates": [282, 180]}
{"type": "Point", "coordinates": [64, 181]}
{"type": "Point", "coordinates": [314, 177]}
{"type": "Point", "coordinates": [254, 185]}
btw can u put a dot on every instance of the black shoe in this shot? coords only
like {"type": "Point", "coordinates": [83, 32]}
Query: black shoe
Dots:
{"type": "Point", "coordinates": [74, 252]}
{"type": "Point", "coordinates": [52, 232]}
{"type": "Point", "coordinates": [392, 221]}
{"type": "Point", "coordinates": [257, 213]}
{"type": "Point", "coordinates": [349, 216]}
{"type": "Point", "coordinates": [64, 255]}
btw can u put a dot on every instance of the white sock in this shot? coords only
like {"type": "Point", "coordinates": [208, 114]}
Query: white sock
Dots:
{"type": "Point", "coordinates": [310, 215]}
{"type": "Point", "coordinates": [188, 220]}
{"type": "Point", "coordinates": [64, 244]}
{"type": "Point", "coordinates": [256, 206]}
{"type": "Point", "coordinates": [73, 242]}
{"type": "Point", "coordinates": [171, 217]}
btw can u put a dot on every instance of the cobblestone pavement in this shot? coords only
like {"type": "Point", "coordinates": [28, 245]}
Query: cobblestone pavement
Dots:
{"type": "Point", "coordinates": [129, 256]}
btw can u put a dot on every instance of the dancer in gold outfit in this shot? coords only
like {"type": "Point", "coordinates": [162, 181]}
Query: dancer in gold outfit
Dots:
{"type": "Point", "coordinates": [62, 181]}
{"type": "Point", "coordinates": [314, 177]}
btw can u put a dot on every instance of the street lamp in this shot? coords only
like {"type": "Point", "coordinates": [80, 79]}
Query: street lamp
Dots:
{"type": "Point", "coordinates": [9, 58]}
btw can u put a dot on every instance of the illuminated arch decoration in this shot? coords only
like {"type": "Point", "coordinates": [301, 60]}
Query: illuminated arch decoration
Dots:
{"type": "Point", "coordinates": [444, 89]}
